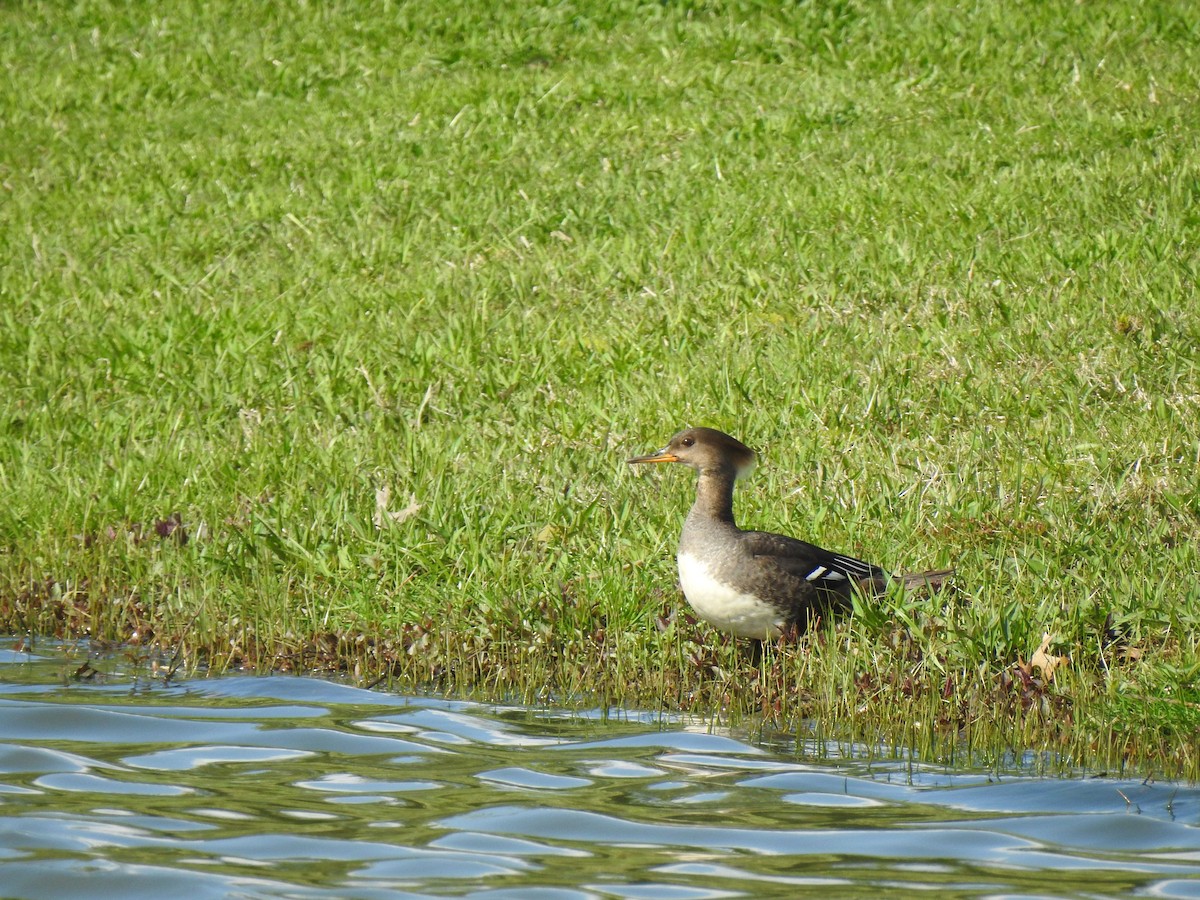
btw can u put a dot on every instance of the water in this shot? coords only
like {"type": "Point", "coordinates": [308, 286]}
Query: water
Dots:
{"type": "Point", "coordinates": [297, 787]}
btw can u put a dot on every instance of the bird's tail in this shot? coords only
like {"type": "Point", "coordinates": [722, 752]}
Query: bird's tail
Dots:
{"type": "Point", "coordinates": [933, 580]}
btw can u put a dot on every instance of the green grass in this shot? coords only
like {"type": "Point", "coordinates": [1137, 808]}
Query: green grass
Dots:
{"type": "Point", "coordinates": [938, 264]}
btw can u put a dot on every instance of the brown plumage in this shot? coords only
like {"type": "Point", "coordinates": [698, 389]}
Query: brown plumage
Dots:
{"type": "Point", "coordinates": [754, 583]}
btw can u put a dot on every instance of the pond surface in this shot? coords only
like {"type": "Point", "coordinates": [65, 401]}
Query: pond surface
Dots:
{"type": "Point", "coordinates": [298, 787]}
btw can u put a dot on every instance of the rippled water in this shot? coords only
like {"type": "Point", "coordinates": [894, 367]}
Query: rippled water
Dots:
{"type": "Point", "coordinates": [296, 787]}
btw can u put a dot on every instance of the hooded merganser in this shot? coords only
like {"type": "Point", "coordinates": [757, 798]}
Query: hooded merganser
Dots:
{"type": "Point", "coordinates": [753, 583]}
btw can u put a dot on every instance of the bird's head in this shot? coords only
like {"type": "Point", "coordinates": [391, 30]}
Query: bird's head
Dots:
{"type": "Point", "coordinates": [705, 450]}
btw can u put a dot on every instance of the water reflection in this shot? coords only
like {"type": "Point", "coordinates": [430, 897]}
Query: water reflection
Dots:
{"type": "Point", "coordinates": [293, 787]}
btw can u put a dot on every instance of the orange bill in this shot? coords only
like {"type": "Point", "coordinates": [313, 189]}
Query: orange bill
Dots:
{"type": "Point", "coordinates": [663, 455]}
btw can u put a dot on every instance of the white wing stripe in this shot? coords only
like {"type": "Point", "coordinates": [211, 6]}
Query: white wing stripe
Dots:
{"type": "Point", "coordinates": [815, 573]}
{"type": "Point", "coordinates": [854, 565]}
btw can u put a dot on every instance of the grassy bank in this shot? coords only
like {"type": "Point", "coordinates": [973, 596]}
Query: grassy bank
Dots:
{"type": "Point", "coordinates": [324, 334]}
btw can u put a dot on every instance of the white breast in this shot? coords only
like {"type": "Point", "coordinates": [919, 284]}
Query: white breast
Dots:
{"type": "Point", "coordinates": [725, 607]}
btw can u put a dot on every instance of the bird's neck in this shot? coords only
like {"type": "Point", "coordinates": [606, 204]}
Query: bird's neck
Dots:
{"type": "Point", "coordinates": [714, 497]}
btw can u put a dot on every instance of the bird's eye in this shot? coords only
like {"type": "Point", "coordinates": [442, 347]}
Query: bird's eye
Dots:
{"type": "Point", "coordinates": [687, 442]}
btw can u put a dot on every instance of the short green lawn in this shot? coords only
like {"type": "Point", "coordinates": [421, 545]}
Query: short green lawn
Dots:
{"type": "Point", "coordinates": [325, 332]}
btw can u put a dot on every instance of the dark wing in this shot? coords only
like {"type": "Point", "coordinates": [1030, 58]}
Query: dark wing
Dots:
{"type": "Point", "coordinates": [816, 566]}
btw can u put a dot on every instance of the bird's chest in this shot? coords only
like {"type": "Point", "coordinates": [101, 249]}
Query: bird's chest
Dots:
{"type": "Point", "coordinates": [724, 605]}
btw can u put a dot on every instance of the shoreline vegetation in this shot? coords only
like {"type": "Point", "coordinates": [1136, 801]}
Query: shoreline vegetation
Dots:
{"type": "Point", "coordinates": [325, 333]}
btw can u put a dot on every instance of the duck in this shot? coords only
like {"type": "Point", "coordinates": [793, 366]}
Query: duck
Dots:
{"type": "Point", "coordinates": [756, 584]}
